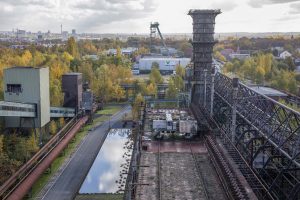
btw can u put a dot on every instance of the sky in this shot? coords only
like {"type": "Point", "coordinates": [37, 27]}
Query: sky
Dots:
{"type": "Point", "coordinates": [134, 16]}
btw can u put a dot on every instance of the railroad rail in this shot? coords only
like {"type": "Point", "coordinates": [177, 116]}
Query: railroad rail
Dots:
{"type": "Point", "coordinates": [16, 179]}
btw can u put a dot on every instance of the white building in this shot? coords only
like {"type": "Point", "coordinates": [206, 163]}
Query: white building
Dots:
{"type": "Point", "coordinates": [124, 51]}
{"type": "Point", "coordinates": [285, 54]}
{"type": "Point", "coordinates": [239, 56]}
{"type": "Point", "coordinates": [166, 64]}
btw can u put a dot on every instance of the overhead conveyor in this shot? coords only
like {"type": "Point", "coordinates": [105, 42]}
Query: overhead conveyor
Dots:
{"type": "Point", "coordinates": [13, 109]}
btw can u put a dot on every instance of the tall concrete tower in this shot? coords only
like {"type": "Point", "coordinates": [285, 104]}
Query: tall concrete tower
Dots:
{"type": "Point", "coordinates": [203, 43]}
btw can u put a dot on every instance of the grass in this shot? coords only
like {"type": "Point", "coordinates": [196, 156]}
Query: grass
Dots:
{"type": "Point", "coordinates": [99, 197]}
{"type": "Point", "coordinates": [43, 180]}
{"type": "Point", "coordinates": [109, 110]}
{"type": "Point", "coordinates": [100, 119]}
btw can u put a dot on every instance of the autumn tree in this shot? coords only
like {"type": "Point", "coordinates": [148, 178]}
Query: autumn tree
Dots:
{"type": "Point", "coordinates": [155, 76]}
{"type": "Point", "coordinates": [151, 89]}
{"type": "Point", "coordinates": [139, 100]}
{"type": "Point", "coordinates": [53, 127]}
{"type": "Point", "coordinates": [117, 93]}
{"type": "Point", "coordinates": [180, 71]}
{"type": "Point", "coordinates": [61, 122]}
{"type": "Point", "coordinates": [72, 48]}
{"type": "Point", "coordinates": [7, 165]}
{"type": "Point", "coordinates": [31, 144]}
{"type": "Point", "coordinates": [178, 82]}
{"type": "Point", "coordinates": [172, 91]}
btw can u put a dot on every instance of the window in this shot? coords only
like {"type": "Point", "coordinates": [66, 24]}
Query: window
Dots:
{"type": "Point", "coordinates": [14, 88]}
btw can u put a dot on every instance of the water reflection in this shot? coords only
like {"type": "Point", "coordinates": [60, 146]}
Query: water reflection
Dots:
{"type": "Point", "coordinates": [109, 170]}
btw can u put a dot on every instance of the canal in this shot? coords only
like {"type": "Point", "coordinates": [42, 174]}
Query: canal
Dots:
{"type": "Point", "coordinates": [109, 171]}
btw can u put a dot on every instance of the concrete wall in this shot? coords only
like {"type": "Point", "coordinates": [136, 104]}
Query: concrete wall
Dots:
{"type": "Point", "coordinates": [35, 89]}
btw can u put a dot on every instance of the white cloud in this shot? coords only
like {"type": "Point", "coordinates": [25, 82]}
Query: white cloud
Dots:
{"type": "Point", "coordinates": [134, 16]}
{"type": "Point", "coordinates": [260, 3]}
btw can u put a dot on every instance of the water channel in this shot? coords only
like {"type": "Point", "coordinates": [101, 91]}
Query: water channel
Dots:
{"type": "Point", "coordinates": [109, 171]}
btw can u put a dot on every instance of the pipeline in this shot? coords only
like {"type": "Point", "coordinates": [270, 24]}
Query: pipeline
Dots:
{"type": "Point", "coordinates": [18, 185]}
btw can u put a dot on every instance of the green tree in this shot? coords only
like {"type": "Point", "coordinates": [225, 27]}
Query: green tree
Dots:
{"type": "Point", "coordinates": [172, 91]}
{"type": "Point", "coordinates": [179, 83]}
{"type": "Point", "coordinates": [290, 63]}
{"type": "Point", "coordinates": [180, 71]}
{"type": "Point", "coordinates": [260, 74]}
{"type": "Point", "coordinates": [155, 76]}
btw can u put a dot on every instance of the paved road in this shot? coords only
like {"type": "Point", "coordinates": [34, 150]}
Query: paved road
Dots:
{"type": "Point", "coordinates": [69, 182]}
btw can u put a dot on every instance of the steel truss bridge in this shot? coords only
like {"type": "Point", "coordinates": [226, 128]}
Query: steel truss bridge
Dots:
{"type": "Point", "coordinates": [261, 135]}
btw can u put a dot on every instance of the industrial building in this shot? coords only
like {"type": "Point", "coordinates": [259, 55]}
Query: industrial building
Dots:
{"type": "Point", "coordinates": [166, 64]}
{"type": "Point", "coordinates": [28, 85]}
{"type": "Point", "coordinates": [72, 88]}
{"type": "Point", "coordinates": [27, 100]}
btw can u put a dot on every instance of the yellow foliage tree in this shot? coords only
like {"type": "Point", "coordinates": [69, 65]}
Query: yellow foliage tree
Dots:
{"type": "Point", "coordinates": [31, 144]}
{"type": "Point", "coordinates": [52, 127]}
{"type": "Point", "coordinates": [151, 89]}
{"type": "Point", "coordinates": [61, 122]}
{"type": "Point", "coordinates": [26, 58]}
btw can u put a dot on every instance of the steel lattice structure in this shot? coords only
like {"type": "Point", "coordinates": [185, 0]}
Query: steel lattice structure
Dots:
{"type": "Point", "coordinates": [266, 133]}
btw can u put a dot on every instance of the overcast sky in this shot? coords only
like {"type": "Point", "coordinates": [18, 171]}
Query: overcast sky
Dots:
{"type": "Point", "coordinates": [134, 16]}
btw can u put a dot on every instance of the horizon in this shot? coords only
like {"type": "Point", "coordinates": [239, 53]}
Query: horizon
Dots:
{"type": "Point", "coordinates": [134, 16]}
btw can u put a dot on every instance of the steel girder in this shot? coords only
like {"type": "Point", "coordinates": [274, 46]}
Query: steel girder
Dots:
{"type": "Point", "coordinates": [267, 133]}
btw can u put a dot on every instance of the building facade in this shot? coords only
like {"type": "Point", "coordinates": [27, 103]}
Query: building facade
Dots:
{"type": "Point", "coordinates": [28, 85]}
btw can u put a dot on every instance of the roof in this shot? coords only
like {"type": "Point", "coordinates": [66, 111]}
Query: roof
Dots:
{"type": "Point", "coordinates": [72, 74]}
{"type": "Point", "coordinates": [271, 92]}
{"type": "Point", "coordinates": [164, 58]}
{"type": "Point", "coordinates": [168, 117]}
{"type": "Point", "coordinates": [24, 68]}
{"type": "Point", "coordinates": [204, 11]}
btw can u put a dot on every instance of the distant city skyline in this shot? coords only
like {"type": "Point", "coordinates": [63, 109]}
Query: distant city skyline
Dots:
{"type": "Point", "coordinates": [134, 16]}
